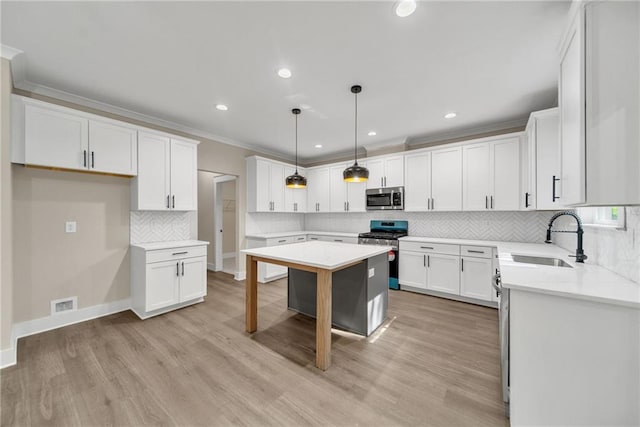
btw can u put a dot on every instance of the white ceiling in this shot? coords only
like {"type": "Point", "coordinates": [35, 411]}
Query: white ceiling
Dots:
{"type": "Point", "coordinates": [491, 62]}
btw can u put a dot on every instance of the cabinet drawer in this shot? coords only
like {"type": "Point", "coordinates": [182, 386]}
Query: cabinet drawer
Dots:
{"type": "Point", "coordinates": [476, 251]}
{"type": "Point", "coordinates": [434, 248]}
{"type": "Point", "coordinates": [280, 241]}
{"type": "Point", "coordinates": [298, 239]}
{"type": "Point", "coordinates": [175, 253]}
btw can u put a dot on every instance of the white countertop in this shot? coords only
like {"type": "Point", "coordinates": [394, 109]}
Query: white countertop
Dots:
{"type": "Point", "coordinates": [327, 255]}
{"type": "Point", "coordinates": [584, 281]}
{"type": "Point", "coordinates": [152, 246]}
{"type": "Point", "coordinates": [298, 233]}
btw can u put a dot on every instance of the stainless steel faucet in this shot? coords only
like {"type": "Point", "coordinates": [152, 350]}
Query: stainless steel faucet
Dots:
{"type": "Point", "coordinates": [580, 256]}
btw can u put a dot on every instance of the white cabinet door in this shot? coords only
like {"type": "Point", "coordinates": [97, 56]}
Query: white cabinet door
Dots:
{"type": "Point", "coordinates": [376, 173]}
{"type": "Point", "coordinates": [475, 278]}
{"type": "Point", "coordinates": [152, 191]}
{"type": "Point", "coordinates": [446, 179]}
{"type": "Point", "coordinates": [476, 177]}
{"type": "Point", "coordinates": [417, 189]}
{"type": "Point", "coordinates": [443, 273]}
{"type": "Point", "coordinates": [505, 175]}
{"type": "Point", "coordinates": [338, 194]}
{"type": "Point", "coordinates": [295, 199]}
{"type": "Point", "coordinates": [356, 196]}
{"type": "Point", "coordinates": [263, 186]}
{"type": "Point", "coordinates": [528, 166]}
{"type": "Point", "coordinates": [162, 285]}
{"type": "Point", "coordinates": [184, 175]}
{"type": "Point", "coordinates": [571, 100]}
{"type": "Point", "coordinates": [113, 148]}
{"type": "Point", "coordinates": [193, 278]}
{"type": "Point", "coordinates": [276, 184]}
{"type": "Point", "coordinates": [393, 171]}
{"type": "Point", "coordinates": [547, 165]}
{"type": "Point", "coordinates": [55, 138]}
{"type": "Point", "coordinates": [412, 270]}
{"type": "Point", "coordinates": [318, 189]}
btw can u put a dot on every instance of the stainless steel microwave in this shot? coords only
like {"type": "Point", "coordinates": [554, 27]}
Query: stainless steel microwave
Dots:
{"type": "Point", "coordinates": [385, 198]}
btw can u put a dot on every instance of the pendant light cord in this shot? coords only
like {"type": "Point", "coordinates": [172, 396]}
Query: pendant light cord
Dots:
{"type": "Point", "coordinates": [296, 144]}
{"type": "Point", "coordinates": [355, 154]}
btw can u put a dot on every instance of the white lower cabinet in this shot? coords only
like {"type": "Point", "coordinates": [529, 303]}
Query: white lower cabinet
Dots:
{"type": "Point", "coordinates": [332, 238]}
{"type": "Point", "coordinates": [269, 272]}
{"type": "Point", "coordinates": [447, 270]}
{"type": "Point", "coordinates": [165, 279]}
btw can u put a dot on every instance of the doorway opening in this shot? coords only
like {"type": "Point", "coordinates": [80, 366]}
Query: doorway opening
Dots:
{"type": "Point", "coordinates": [217, 219]}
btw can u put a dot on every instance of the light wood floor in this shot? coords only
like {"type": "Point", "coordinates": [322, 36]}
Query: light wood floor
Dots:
{"type": "Point", "coordinates": [435, 362]}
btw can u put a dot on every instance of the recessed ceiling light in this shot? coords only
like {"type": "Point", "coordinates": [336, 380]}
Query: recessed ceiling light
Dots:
{"type": "Point", "coordinates": [372, 133]}
{"type": "Point", "coordinates": [450, 115]}
{"type": "Point", "coordinates": [318, 145]}
{"type": "Point", "coordinates": [285, 73]}
{"type": "Point", "coordinates": [405, 8]}
{"type": "Point", "coordinates": [222, 107]}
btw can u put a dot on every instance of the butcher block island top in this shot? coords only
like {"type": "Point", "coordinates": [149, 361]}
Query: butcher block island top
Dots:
{"type": "Point", "coordinates": [322, 258]}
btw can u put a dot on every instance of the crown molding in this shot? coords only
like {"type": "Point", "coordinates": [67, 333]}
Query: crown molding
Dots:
{"type": "Point", "coordinates": [17, 60]}
{"type": "Point", "coordinates": [472, 131]}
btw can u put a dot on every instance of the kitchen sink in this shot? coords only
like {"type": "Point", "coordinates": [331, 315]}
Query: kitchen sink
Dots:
{"type": "Point", "coordinates": [553, 262]}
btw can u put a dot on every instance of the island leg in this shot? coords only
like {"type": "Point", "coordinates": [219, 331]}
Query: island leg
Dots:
{"type": "Point", "coordinates": [251, 283]}
{"type": "Point", "coordinates": [323, 320]}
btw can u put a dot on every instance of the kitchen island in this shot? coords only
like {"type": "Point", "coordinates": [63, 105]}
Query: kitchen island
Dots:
{"type": "Point", "coordinates": [324, 259]}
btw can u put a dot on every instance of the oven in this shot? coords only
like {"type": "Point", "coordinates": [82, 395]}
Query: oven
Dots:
{"type": "Point", "coordinates": [387, 233]}
{"type": "Point", "coordinates": [385, 198]}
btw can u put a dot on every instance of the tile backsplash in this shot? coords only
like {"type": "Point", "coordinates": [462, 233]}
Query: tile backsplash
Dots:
{"type": "Point", "coordinates": [159, 226]}
{"type": "Point", "coordinates": [614, 249]}
{"type": "Point", "coordinates": [504, 226]}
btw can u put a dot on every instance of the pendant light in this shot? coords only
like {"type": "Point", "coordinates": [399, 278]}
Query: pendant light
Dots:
{"type": "Point", "coordinates": [355, 172]}
{"type": "Point", "coordinates": [296, 180]}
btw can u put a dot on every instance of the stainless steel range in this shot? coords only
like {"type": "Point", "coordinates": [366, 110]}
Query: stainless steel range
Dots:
{"type": "Point", "coordinates": [387, 233]}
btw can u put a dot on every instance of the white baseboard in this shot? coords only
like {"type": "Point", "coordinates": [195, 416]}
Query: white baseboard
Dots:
{"type": "Point", "coordinates": [43, 324]}
{"type": "Point", "coordinates": [211, 266]}
{"type": "Point", "coordinates": [229, 255]}
{"type": "Point", "coordinates": [240, 275]}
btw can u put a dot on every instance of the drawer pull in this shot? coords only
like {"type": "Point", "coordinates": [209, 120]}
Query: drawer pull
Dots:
{"type": "Point", "coordinates": [300, 238]}
{"type": "Point", "coordinates": [282, 241]}
{"type": "Point", "coordinates": [337, 240]}
{"type": "Point", "coordinates": [426, 247]}
{"type": "Point", "coordinates": [180, 253]}
{"type": "Point", "coordinates": [471, 251]}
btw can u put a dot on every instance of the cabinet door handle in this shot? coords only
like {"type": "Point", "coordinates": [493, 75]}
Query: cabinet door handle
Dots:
{"type": "Point", "coordinates": [462, 264]}
{"type": "Point", "coordinates": [553, 188]}
{"type": "Point", "coordinates": [486, 202]}
{"type": "Point", "coordinates": [93, 162]}
{"type": "Point", "coordinates": [428, 203]}
{"type": "Point", "coordinates": [173, 201]}
{"type": "Point", "coordinates": [345, 206]}
{"type": "Point", "coordinates": [526, 200]}
{"type": "Point", "coordinates": [491, 202]}
{"type": "Point", "coordinates": [178, 269]}
{"type": "Point", "coordinates": [183, 268]}
{"type": "Point", "coordinates": [168, 201]}
{"type": "Point", "coordinates": [180, 253]}
{"type": "Point", "coordinates": [424, 260]}
{"type": "Point", "coordinates": [348, 207]}
{"type": "Point", "coordinates": [428, 260]}
{"type": "Point", "coordinates": [84, 158]}
{"type": "Point", "coordinates": [433, 204]}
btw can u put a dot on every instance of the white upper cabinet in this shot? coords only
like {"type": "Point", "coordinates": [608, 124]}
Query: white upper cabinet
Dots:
{"type": "Point", "coordinates": [345, 196]}
{"type": "Point", "coordinates": [599, 99]}
{"type": "Point", "coordinates": [491, 175]}
{"type": "Point", "coordinates": [446, 179]}
{"type": "Point", "coordinates": [113, 148]}
{"type": "Point", "coordinates": [167, 174]}
{"type": "Point", "coordinates": [265, 185]}
{"type": "Point", "coordinates": [386, 172]}
{"type": "Point", "coordinates": [417, 189]}
{"type": "Point", "coordinates": [318, 189]}
{"type": "Point", "coordinates": [295, 199]}
{"type": "Point", "coordinates": [49, 135]}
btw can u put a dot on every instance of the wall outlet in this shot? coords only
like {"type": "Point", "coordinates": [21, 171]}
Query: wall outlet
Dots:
{"type": "Point", "coordinates": [372, 272]}
{"type": "Point", "coordinates": [64, 305]}
{"type": "Point", "coordinates": [70, 227]}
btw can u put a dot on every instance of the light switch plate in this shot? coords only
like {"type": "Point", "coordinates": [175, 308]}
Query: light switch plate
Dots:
{"type": "Point", "coordinates": [70, 227]}
{"type": "Point", "coordinates": [372, 272]}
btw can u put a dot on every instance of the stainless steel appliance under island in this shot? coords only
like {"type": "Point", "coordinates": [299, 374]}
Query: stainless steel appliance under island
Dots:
{"type": "Point", "coordinates": [355, 276]}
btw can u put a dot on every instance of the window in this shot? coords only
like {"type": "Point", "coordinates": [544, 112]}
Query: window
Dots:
{"type": "Point", "coordinates": [609, 216]}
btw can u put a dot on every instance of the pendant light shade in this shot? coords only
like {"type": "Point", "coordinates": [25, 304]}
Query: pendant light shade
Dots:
{"type": "Point", "coordinates": [355, 172]}
{"type": "Point", "coordinates": [296, 180]}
